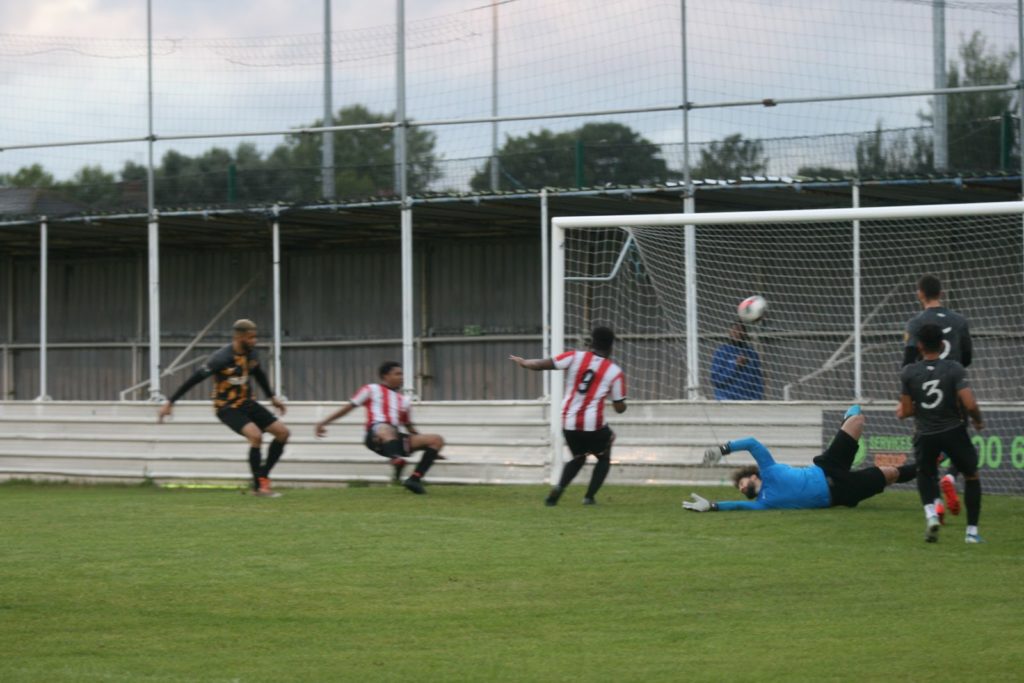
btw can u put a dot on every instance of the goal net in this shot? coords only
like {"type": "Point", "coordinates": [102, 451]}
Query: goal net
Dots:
{"type": "Point", "coordinates": [840, 286]}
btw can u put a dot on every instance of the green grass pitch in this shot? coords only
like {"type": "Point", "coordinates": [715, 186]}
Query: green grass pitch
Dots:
{"type": "Point", "coordinates": [484, 583]}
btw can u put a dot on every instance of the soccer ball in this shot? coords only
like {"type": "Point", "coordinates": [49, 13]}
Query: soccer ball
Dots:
{"type": "Point", "coordinates": [752, 309]}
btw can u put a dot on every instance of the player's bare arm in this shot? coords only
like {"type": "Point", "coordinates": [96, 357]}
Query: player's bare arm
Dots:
{"type": "Point", "coordinates": [970, 404]}
{"type": "Point", "coordinates": [619, 406]}
{"type": "Point", "coordinates": [165, 410]}
{"type": "Point", "coordinates": [320, 428]}
{"type": "Point", "coordinates": [533, 363]}
{"type": "Point", "coordinates": [905, 408]}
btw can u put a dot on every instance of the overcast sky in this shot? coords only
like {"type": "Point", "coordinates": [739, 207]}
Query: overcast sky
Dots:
{"type": "Point", "coordinates": [556, 56]}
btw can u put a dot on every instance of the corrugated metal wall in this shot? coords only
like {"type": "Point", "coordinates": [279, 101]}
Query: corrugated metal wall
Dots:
{"type": "Point", "coordinates": [475, 287]}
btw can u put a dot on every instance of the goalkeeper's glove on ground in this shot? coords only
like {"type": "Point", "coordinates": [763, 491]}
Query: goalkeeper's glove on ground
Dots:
{"type": "Point", "coordinates": [700, 504]}
{"type": "Point", "coordinates": [714, 454]}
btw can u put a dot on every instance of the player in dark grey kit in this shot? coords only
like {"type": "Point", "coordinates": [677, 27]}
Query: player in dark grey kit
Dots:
{"type": "Point", "coordinates": [936, 393]}
{"type": "Point", "coordinates": [232, 366]}
{"type": "Point", "coordinates": [956, 345]}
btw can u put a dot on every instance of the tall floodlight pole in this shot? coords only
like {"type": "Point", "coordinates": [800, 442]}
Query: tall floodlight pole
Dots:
{"type": "Point", "coordinates": [401, 162]}
{"type": "Point", "coordinates": [940, 121]}
{"type": "Point", "coordinates": [153, 233]}
{"type": "Point", "coordinates": [495, 175]}
{"type": "Point", "coordinates": [327, 148]}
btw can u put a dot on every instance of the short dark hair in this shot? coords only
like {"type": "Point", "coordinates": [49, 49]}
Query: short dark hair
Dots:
{"type": "Point", "coordinates": [930, 286]}
{"type": "Point", "coordinates": [745, 471]}
{"type": "Point", "coordinates": [387, 366]}
{"type": "Point", "coordinates": [930, 336]}
{"type": "Point", "coordinates": [243, 326]}
{"type": "Point", "coordinates": [602, 338]}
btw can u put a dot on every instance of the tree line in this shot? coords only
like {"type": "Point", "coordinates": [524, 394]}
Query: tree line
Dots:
{"type": "Point", "coordinates": [981, 136]}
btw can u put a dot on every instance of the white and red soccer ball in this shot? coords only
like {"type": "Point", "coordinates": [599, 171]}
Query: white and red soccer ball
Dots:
{"type": "Point", "coordinates": [752, 309]}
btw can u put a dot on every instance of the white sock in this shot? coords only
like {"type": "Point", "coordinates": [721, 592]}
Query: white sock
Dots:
{"type": "Point", "coordinates": [929, 511]}
{"type": "Point", "coordinates": [972, 530]}
{"type": "Point", "coordinates": [938, 501]}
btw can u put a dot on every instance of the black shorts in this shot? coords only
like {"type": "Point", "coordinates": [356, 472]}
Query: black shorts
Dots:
{"type": "Point", "coordinates": [845, 487]}
{"type": "Point", "coordinates": [956, 443]}
{"type": "Point", "coordinates": [249, 411]}
{"type": "Point", "coordinates": [377, 446]}
{"type": "Point", "coordinates": [589, 443]}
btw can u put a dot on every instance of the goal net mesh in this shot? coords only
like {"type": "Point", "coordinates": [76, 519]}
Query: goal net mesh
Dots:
{"type": "Point", "coordinates": [633, 279]}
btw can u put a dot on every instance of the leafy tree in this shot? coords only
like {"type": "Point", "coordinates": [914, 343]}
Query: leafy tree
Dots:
{"type": "Point", "coordinates": [975, 119]}
{"type": "Point", "coordinates": [28, 176]}
{"type": "Point", "coordinates": [977, 139]}
{"type": "Point", "coordinates": [364, 160]}
{"type": "Point", "coordinates": [593, 154]}
{"type": "Point", "coordinates": [91, 185]}
{"type": "Point", "coordinates": [732, 157]}
{"type": "Point", "coordinates": [823, 172]}
{"type": "Point", "coordinates": [885, 153]}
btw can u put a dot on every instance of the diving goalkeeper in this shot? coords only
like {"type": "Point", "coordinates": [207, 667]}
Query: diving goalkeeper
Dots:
{"type": "Point", "coordinates": [770, 485]}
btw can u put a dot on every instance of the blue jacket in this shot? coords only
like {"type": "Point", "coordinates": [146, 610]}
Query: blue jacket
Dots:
{"type": "Point", "coordinates": [734, 382]}
{"type": "Point", "coordinates": [782, 487]}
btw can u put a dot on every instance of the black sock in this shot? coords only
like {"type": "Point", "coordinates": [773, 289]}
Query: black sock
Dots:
{"type": "Point", "coordinates": [429, 456]}
{"type": "Point", "coordinates": [972, 500]}
{"type": "Point", "coordinates": [907, 473]}
{"type": "Point", "coordinates": [604, 463]}
{"type": "Point", "coordinates": [571, 469]}
{"type": "Point", "coordinates": [254, 465]}
{"type": "Point", "coordinates": [273, 455]}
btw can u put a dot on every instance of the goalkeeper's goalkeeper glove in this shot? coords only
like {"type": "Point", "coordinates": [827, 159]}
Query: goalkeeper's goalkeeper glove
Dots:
{"type": "Point", "coordinates": [700, 504]}
{"type": "Point", "coordinates": [714, 454]}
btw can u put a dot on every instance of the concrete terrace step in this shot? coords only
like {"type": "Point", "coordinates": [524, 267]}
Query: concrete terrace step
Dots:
{"type": "Point", "coordinates": [505, 441]}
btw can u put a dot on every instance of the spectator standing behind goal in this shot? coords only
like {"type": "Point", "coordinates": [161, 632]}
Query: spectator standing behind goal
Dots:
{"type": "Point", "coordinates": [389, 428]}
{"type": "Point", "coordinates": [590, 378]}
{"type": "Point", "coordinates": [736, 368]}
{"type": "Point", "coordinates": [956, 346]}
{"type": "Point", "coordinates": [231, 366]}
{"type": "Point", "coordinates": [935, 392]}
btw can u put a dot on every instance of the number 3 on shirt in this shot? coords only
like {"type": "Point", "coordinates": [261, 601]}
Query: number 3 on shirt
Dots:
{"type": "Point", "coordinates": [585, 380]}
{"type": "Point", "coordinates": [931, 388]}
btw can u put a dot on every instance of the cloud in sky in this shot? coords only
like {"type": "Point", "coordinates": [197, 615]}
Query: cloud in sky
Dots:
{"type": "Point", "coordinates": [569, 55]}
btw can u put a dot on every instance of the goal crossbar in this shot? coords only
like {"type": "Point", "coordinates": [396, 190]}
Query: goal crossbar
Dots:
{"type": "Point", "coordinates": [790, 216]}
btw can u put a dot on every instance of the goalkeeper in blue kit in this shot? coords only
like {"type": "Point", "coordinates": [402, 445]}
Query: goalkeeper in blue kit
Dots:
{"type": "Point", "coordinates": [829, 482]}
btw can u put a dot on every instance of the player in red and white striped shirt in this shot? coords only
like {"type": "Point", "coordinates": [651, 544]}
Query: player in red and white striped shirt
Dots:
{"type": "Point", "coordinates": [590, 378]}
{"type": "Point", "coordinates": [387, 415]}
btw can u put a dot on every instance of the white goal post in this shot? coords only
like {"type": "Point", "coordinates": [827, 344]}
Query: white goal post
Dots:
{"type": "Point", "coordinates": [840, 286]}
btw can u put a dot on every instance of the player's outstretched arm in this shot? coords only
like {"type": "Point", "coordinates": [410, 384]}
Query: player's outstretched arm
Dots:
{"type": "Point", "coordinates": [533, 363]}
{"type": "Point", "coordinates": [197, 377]}
{"type": "Point", "coordinates": [761, 454]}
{"type": "Point", "coordinates": [320, 428]}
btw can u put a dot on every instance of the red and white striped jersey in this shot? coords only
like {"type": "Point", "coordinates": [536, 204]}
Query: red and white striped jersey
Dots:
{"type": "Point", "coordinates": [383, 405]}
{"type": "Point", "coordinates": [589, 379]}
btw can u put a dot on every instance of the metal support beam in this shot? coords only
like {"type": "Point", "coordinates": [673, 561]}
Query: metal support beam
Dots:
{"type": "Point", "coordinates": [545, 286]}
{"type": "Point", "coordinates": [276, 239]}
{"type": "Point", "coordinates": [43, 299]}
{"type": "Point", "coordinates": [495, 171]}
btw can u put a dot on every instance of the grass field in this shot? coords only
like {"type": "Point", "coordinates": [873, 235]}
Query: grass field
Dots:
{"type": "Point", "coordinates": [484, 583]}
